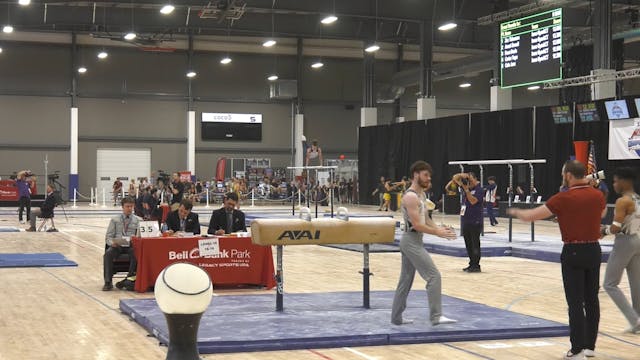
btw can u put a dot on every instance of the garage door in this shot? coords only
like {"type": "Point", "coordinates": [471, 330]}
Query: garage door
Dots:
{"type": "Point", "coordinates": [121, 163]}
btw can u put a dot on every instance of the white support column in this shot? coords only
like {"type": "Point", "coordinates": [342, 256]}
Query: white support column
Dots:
{"type": "Point", "coordinates": [368, 116]}
{"type": "Point", "coordinates": [426, 108]}
{"type": "Point", "coordinates": [297, 137]}
{"type": "Point", "coordinates": [73, 153]}
{"type": "Point", "coordinates": [501, 99]}
{"type": "Point", "coordinates": [191, 143]}
{"type": "Point", "coordinates": [604, 89]}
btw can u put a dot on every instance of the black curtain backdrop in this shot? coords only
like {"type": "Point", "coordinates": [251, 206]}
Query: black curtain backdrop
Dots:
{"type": "Point", "coordinates": [407, 144]}
{"type": "Point", "coordinates": [555, 144]}
{"type": "Point", "coordinates": [447, 140]}
{"type": "Point", "coordinates": [502, 135]}
{"type": "Point", "coordinates": [373, 147]}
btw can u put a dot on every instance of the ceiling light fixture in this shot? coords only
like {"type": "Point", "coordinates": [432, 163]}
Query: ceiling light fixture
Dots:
{"type": "Point", "coordinates": [7, 29]}
{"type": "Point", "coordinates": [465, 84]}
{"type": "Point", "coordinates": [533, 87]}
{"type": "Point", "coordinates": [269, 43]}
{"type": "Point", "coordinates": [329, 19]}
{"type": "Point", "coordinates": [102, 54]}
{"type": "Point", "coordinates": [317, 65]}
{"type": "Point", "coordinates": [191, 74]}
{"type": "Point", "coordinates": [24, 2]}
{"type": "Point", "coordinates": [225, 60]}
{"type": "Point", "coordinates": [372, 48]}
{"type": "Point", "coordinates": [130, 36]}
{"type": "Point", "coordinates": [0, 50]}
{"type": "Point", "coordinates": [82, 69]}
{"type": "Point", "coordinates": [450, 25]}
{"type": "Point", "coordinates": [273, 77]}
{"type": "Point", "coordinates": [167, 9]}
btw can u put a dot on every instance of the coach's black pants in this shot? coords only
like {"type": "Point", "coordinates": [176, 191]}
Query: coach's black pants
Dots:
{"type": "Point", "coordinates": [471, 235]}
{"type": "Point", "coordinates": [24, 203]}
{"type": "Point", "coordinates": [581, 277]}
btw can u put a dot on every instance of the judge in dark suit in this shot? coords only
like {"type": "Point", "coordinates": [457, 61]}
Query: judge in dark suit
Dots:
{"type": "Point", "coordinates": [183, 219]}
{"type": "Point", "coordinates": [227, 219]}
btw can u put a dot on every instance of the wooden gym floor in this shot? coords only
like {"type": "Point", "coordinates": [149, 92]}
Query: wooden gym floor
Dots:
{"type": "Point", "coordinates": [61, 313]}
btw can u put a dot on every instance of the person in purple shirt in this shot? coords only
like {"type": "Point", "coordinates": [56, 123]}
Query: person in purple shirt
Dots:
{"type": "Point", "coordinates": [24, 195]}
{"type": "Point", "coordinates": [471, 213]}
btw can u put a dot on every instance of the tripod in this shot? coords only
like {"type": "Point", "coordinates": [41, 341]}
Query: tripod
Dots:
{"type": "Point", "coordinates": [57, 188]}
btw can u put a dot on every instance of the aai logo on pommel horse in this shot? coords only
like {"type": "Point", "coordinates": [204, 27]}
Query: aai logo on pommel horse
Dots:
{"type": "Point", "coordinates": [299, 235]}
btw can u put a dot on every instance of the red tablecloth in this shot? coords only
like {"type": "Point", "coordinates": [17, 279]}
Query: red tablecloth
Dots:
{"type": "Point", "coordinates": [241, 262]}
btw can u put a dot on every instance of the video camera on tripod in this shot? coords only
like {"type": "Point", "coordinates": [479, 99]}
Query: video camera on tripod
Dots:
{"type": "Point", "coordinates": [57, 187]}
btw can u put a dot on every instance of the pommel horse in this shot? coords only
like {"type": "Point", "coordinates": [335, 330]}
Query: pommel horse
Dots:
{"type": "Point", "coordinates": [308, 231]}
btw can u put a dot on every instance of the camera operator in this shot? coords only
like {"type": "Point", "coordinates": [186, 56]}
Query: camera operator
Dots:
{"type": "Point", "coordinates": [23, 180]}
{"type": "Point", "coordinates": [471, 213]}
{"type": "Point", "coordinates": [177, 189]}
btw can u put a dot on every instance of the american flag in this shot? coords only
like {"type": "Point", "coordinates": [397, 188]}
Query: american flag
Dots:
{"type": "Point", "coordinates": [591, 162]}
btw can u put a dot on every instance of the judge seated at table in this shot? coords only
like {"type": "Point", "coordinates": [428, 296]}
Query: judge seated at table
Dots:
{"type": "Point", "coordinates": [183, 220]}
{"type": "Point", "coordinates": [227, 219]}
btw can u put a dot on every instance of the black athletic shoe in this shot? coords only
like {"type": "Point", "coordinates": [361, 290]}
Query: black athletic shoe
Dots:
{"type": "Point", "coordinates": [107, 287]}
{"type": "Point", "coordinates": [467, 268]}
{"type": "Point", "coordinates": [473, 270]}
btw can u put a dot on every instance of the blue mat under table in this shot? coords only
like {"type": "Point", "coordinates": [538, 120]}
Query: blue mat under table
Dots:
{"type": "Point", "coordinates": [373, 248]}
{"type": "Point", "coordinates": [35, 260]}
{"type": "Point", "coordinates": [329, 320]}
{"type": "Point", "coordinates": [9, 229]}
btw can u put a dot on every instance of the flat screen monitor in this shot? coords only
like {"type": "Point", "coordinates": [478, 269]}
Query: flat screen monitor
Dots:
{"type": "Point", "coordinates": [588, 112]}
{"type": "Point", "coordinates": [637, 101]}
{"type": "Point", "coordinates": [531, 49]}
{"type": "Point", "coordinates": [231, 126]}
{"type": "Point", "coordinates": [561, 114]}
{"type": "Point", "coordinates": [617, 109]}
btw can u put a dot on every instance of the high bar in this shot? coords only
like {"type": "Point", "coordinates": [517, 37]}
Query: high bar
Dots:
{"type": "Point", "coordinates": [498, 162]}
{"type": "Point", "coordinates": [311, 167]}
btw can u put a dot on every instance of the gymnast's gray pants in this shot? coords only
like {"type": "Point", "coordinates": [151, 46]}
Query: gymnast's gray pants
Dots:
{"type": "Point", "coordinates": [625, 255]}
{"type": "Point", "coordinates": [415, 257]}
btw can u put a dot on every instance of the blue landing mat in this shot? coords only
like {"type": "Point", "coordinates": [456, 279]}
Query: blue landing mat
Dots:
{"type": "Point", "coordinates": [329, 320]}
{"type": "Point", "coordinates": [34, 260]}
{"type": "Point", "coordinates": [9, 229]}
{"type": "Point", "coordinates": [545, 248]}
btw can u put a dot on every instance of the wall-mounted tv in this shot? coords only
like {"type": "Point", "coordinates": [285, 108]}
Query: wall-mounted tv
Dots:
{"type": "Point", "coordinates": [588, 112]}
{"type": "Point", "coordinates": [231, 126]}
{"type": "Point", "coordinates": [617, 109]}
{"type": "Point", "coordinates": [561, 114]}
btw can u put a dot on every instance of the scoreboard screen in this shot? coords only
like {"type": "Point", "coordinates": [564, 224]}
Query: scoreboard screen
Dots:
{"type": "Point", "coordinates": [531, 49]}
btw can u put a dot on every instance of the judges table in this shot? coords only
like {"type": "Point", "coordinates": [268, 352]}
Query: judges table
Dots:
{"type": "Point", "coordinates": [240, 261]}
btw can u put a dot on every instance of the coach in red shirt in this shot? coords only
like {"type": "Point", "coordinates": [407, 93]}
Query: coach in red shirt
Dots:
{"type": "Point", "coordinates": [579, 211]}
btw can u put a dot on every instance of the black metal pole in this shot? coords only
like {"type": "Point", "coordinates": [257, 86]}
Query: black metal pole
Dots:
{"type": "Point", "coordinates": [317, 185]}
{"type": "Point", "coordinates": [509, 196]}
{"type": "Point", "coordinates": [279, 280]}
{"type": "Point", "coordinates": [365, 277]}
{"type": "Point", "coordinates": [331, 190]}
